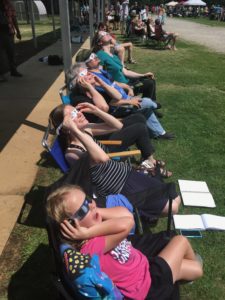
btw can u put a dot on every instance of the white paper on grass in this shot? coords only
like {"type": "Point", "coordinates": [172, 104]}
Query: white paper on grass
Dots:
{"type": "Point", "coordinates": [198, 199]}
{"type": "Point", "coordinates": [213, 222]}
{"type": "Point", "coordinates": [199, 222]}
{"type": "Point", "coordinates": [193, 186]}
{"type": "Point", "coordinates": [193, 222]}
{"type": "Point", "coordinates": [196, 193]}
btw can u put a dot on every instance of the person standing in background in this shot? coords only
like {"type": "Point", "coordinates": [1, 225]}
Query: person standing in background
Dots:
{"type": "Point", "coordinates": [8, 29]}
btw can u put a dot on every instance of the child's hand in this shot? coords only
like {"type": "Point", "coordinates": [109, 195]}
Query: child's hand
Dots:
{"type": "Point", "coordinates": [73, 232]}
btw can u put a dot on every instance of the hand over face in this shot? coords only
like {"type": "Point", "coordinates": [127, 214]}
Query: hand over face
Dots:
{"type": "Point", "coordinates": [73, 232]}
{"type": "Point", "coordinates": [87, 108]}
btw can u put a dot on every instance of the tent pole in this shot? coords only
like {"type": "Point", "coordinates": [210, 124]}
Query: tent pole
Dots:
{"type": "Point", "coordinates": [65, 33]}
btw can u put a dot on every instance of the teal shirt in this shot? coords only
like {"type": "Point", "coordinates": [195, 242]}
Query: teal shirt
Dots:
{"type": "Point", "coordinates": [113, 66]}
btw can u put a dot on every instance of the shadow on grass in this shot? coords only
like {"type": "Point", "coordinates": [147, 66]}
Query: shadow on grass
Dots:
{"type": "Point", "coordinates": [33, 210]}
{"type": "Point", "coordinates": [33, 279]}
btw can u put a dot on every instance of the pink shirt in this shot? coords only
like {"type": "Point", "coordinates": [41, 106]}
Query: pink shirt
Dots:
{"type": "Point", "coordinates": [126, 266]}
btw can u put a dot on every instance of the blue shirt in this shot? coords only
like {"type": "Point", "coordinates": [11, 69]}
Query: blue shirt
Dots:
{"type": "Point", "coordinates": [107, 78]}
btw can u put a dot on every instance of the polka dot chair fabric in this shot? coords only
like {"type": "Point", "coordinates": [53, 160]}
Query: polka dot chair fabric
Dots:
{"type": "Point", "coordinates": [85, 276]}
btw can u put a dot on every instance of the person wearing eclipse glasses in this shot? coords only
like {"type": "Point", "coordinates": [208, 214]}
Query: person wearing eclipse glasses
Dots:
{"type": "Point", "coordinates": [147, 193]}
{"type": "Point", "coordinates": [113, 92]}
{"type": "Point", "coordinates": [118, 72]}
{"type": "Point", "coordinates": [138, 271]}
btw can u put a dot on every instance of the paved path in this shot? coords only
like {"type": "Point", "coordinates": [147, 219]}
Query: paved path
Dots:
{"type": "Point", "coordinates": [210, 36]}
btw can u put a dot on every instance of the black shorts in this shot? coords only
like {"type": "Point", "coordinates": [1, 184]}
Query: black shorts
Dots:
{"type": "Point", "coordinates": [162, 280]}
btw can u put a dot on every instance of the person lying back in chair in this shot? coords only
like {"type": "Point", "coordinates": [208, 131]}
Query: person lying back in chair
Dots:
{"type": "Point", "coordinates": [147, 193]}
{"type": "Point", "coordinates": [79, 77]}
{"type": "Point", "coordinates": [132, 267]}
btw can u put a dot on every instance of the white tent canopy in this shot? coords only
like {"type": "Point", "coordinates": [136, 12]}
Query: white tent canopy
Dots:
{"type": "Point", "coordinates": [194, 3]}
{"type": "Point", "coordinates": [172, 3]}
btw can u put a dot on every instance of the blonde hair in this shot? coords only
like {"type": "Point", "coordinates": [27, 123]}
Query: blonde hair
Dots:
{"type": "Point", "coordinates": [55, 206]}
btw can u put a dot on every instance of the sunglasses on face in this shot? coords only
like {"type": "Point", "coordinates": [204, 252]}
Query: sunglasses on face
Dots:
{"type": "Point", "coordinates": [82, 211]}
{"type": "Point", "coordinates": [91, 57]}
{"type": "Point", "coordinates": [102, 34]}
{"type": "Point", "coordinates": [73, 115]}
{"type": "Point", "coordinates": [83, 73]}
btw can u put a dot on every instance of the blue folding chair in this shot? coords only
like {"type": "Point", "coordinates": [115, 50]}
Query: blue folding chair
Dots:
{"type": "Point", "coordinates": [55, 150]}
{"type": "Point", "coordinates": [64, 97]}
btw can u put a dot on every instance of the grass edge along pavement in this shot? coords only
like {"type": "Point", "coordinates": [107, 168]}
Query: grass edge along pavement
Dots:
{"type": "Point", "coordinates": [191, 89]}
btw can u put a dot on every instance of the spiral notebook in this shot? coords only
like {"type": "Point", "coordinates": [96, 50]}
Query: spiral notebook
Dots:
{"type": "Point", "coordinates": [196, 193]}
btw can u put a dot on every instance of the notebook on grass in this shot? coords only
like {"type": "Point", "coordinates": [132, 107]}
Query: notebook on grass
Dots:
{"type": "Point", "coordinates": [196, 193]}
{"type": "Point", "coordinates": [199, 222]}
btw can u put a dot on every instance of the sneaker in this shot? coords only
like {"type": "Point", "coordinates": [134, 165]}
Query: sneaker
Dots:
{"type": "Point", "coordinates": [166, 136]}
{"type": "Point", "coordinates": [16, 74]}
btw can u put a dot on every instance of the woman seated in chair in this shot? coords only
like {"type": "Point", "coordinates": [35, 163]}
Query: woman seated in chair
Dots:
{"type": "Point", "coordinates": [110, 177]}
{"type": "Point", "coordinates": [134, 268]}
{"type": "Point", "coordinates": [168, 37]}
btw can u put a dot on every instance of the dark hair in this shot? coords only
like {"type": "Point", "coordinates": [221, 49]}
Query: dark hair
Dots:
{"type": "Point", "coordinates": [56, 117]}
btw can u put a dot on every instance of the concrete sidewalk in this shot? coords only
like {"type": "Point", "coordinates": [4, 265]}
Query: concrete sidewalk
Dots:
{"type": "Point", "coordinates": [25, 104]}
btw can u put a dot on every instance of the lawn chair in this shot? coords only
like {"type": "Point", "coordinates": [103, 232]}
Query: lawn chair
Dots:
{"type": "Point", "coordinates": [56, 152]}
{"type": "Point", "coordinates": [71, 280]}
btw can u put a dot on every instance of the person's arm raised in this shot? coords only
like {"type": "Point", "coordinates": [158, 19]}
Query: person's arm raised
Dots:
{"type": "Point", "coordinates": [111, 123]}
{"type": "Point", "coordinates": [115, 228]}
{"type": "Point", "coordinates": [97, 98]}
{"type": "Point", "coordinates": [110, 90]}
{"type": "Point", "coordinates": [97, 155]}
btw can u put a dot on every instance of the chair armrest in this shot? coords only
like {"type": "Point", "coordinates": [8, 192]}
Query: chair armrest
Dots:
{"type": "Point", "coordinates": [110, 142]}
{"type": "Point", "coordinates": [124, 153]}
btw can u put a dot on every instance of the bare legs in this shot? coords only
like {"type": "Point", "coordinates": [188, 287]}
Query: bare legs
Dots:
{"type": "Point", "coordinates": [121, 52]}
{"type": "Point", "coordinates": [175, 206]}
{"type": "Point", "coordinates": [182, 260]}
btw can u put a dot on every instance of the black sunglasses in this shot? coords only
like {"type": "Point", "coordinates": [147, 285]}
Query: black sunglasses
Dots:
{"type": "Point", "coordinates": [82, 211]}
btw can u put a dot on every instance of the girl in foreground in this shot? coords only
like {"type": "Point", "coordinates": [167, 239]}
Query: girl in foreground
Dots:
{"type": "Point", "coordinates": [110, 177]}
{"type": "Point", "coordinates": [104, 231]}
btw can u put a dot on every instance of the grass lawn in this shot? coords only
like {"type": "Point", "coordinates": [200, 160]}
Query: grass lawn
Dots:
{"type": "Point", "coordinates": [41, 27]}
{"type": "Point", "coordinates": [205, 21]}
{"type": "Point", "coordinates": [191, 89]}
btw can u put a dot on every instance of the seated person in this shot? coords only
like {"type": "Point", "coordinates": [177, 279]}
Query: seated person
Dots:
{"type": "Point", "coordinates": [150, 27]}
{"type": "Point", "coordinates": [119, 73]}
{"type": "Point", "coordinates": [147, 193]}
{"type": "Point", "coordinates": [115, 94]}
{"type": "Point", "coordinates": [168, 37]}
{"type": "Point", "coordinates": [128, 261]}
{"type": "Point", "coordinates": [139, 28]}
{"type": "Point", "coordinates": [119, 48]}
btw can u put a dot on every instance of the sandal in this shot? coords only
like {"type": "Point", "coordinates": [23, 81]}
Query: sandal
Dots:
{"type": "Point", "coordinates": [160, 163]}
{"type": "Point", "coordinates": [132, 61]}
{"type": "Point", "coordinates": [165, 173]}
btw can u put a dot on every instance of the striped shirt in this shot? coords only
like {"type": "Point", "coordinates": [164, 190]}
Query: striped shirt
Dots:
{"type": "Point", "coordinates": [110, 177]}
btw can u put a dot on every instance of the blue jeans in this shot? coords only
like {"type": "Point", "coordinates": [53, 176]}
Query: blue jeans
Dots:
{"type": "Point", "coordinates": [152, 122]}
